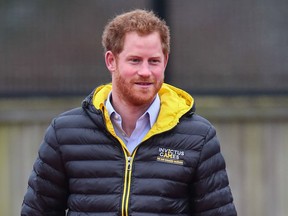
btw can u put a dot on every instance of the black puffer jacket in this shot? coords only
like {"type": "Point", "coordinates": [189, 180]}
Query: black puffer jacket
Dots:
{"type": "Point", "coordinates": [83, 167]}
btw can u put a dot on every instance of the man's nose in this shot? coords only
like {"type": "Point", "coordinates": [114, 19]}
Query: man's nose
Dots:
{"type": "Point", "coordinates": [145, 69]}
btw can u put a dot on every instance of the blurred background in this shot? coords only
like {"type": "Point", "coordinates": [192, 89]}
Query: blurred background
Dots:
{"type": "Point", "coordinates": [232, 56]}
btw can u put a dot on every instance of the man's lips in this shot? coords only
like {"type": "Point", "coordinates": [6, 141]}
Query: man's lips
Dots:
{"type": "Point", "coordinates": [143, 83]}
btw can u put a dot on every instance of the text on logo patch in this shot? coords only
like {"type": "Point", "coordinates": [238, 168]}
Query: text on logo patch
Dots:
{"type": "Point", "coordinates": [170, 156]}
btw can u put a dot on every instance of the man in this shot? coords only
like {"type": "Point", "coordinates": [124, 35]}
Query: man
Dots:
{"type": "Point", "coordinates": [136, 146]}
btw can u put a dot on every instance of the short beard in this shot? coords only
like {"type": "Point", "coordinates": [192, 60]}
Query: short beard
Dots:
{"type": "Point", "coordinates": [129, 96]}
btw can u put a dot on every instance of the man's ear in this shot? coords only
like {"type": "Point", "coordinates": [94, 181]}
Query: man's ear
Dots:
{"type": "Point", "coordinates": [110, 60]}
{"type": "Point", "coordinates": [166, 60]}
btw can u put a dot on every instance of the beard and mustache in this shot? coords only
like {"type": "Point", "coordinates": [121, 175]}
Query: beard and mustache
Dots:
{"type": "Point", "coordinates": [128, 91]}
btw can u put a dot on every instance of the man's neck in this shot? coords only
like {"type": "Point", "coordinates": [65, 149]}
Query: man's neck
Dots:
{"type": "Point", "coordinates": [129, 114]}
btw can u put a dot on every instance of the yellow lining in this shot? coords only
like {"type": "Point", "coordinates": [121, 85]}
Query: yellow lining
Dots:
{"type": "Point", "coordinates": [127, 182]}
{"type": "Point", "coordinates": [124, 211]}
{"type": "Point", "coordinates": [175, 103]}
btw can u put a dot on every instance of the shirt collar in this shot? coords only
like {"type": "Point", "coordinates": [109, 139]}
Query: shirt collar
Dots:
{"type": "Point", "coordinates": [152, 111]}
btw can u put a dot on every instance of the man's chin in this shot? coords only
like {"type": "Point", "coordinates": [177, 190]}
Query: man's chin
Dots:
{"type": "Point", "coordinates": [142, 99]}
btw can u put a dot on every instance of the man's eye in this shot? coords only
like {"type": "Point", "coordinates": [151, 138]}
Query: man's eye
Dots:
{"type": "Point", "coordinates": [134, 60]}
{"type": "Point", "coordinates": [155, 61]}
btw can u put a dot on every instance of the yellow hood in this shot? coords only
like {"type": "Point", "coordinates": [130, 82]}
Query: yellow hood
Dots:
{"type": "Point", "coordinates": [174, 104]}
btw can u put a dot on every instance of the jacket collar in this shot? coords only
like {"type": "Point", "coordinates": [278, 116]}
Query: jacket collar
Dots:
{"type": "Point", "coordinates": [175, 103]}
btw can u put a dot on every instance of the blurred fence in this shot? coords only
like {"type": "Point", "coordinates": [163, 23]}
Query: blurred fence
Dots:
{"type": "Point", "coordinates": [253, 134]}
{"type": "Point", "coordinates": [54, 48]}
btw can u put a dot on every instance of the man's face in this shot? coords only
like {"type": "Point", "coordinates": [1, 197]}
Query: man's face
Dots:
{"type": "Point", "coordinates": [139, 69]}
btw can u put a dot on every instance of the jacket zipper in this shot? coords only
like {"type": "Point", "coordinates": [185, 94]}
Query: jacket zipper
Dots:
{"type": "Point", "coordinates": [127, 184]}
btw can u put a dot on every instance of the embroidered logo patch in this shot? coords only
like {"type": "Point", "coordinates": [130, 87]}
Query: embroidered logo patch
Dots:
{"type": "Point", "coordinates": [170, 156]}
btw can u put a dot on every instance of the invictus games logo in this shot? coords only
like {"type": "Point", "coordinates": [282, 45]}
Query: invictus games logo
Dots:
{"type": "Point", "coordinates": [170, 156]}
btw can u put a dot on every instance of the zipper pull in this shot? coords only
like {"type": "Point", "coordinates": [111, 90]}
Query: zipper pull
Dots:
{"type": "Point", "coordinates": [129, 163]}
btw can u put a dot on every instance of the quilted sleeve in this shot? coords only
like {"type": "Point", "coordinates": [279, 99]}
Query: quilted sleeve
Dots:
{"type": "Point", "coordinates": [212, 194]}
{"type": "Point", "coordinates": [47, 186]}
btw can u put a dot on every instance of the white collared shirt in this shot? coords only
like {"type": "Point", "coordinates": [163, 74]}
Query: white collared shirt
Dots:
{"type": "Point", "coordinates": [143, 124]}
